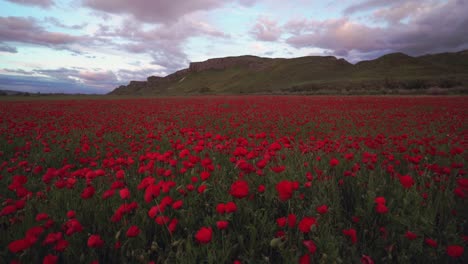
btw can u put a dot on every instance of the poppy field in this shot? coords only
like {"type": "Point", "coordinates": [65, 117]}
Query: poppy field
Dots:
{"type": "Point", "coordinates": [229, 179]}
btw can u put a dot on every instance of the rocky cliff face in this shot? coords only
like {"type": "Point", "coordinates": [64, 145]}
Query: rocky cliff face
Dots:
{"type": "Point", "coordinates": [161, 83]}
{"type": "Point", "coordinates": [252, 62]}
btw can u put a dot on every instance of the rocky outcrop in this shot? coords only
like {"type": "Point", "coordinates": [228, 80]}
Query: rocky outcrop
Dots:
{"type": "Point", "coordinates": [252, 62]}
{"type": "Point", "coordinates": [160, 84]}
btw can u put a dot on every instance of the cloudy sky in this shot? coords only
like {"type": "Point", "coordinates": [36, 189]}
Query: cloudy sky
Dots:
{"type": "Point", "coordinates": [92, 46]}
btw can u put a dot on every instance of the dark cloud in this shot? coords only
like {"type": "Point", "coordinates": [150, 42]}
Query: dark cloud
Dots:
{"type": "Point", "coordinates": [40, 3]}
{"type": "Point", "coordinates": [6, 48]}
{"type": "Point", "coordinates": [34, 84]}
{"type": "Point", "coordinates": [165, 11]}
{"type": "Point", "coordinates": [411, 28]}
{"type": "Point", "coordinates": [266, 29]}
{"type": "Point", "coordinates": [27, 30]}
{"type": "Point", "coordinates": [19, 71]}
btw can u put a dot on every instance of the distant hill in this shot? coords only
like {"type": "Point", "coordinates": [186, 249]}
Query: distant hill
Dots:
{"type": "Point", "coordinates": [394, 72]}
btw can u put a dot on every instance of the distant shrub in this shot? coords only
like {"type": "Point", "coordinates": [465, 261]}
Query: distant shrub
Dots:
{"type": "Point", "coordinates": [448, 83]}
{"type": "Point", "coordinates": [416, 84]}
{"type": "Point", "coordinates": [205, 89]}
{"type": "Point", "coordinates": [390, 83]}
{"type": "Point", "coordinates": [437, 91]}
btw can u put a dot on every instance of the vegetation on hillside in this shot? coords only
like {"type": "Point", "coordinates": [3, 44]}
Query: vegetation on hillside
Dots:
{"type": "Point", "coordinates": [391, 73]}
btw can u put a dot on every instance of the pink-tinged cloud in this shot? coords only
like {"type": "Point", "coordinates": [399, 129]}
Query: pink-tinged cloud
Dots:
{"type": "Point", "coordinates": [428, 28]}
{"type": "Point", "coordinates": [96, 76]}
{"type": "Point", "coordinates": [266, 29]}
{"type": "Point", "coordinates": [164, 11]}
{"type": "Point", "coordinates": [40, 3]}
{"type": "Point", "coordinates": [163, 43]}
{"type": "Point", "coordinates": [27, 30]}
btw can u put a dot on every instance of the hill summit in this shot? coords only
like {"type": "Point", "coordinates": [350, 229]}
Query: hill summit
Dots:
{"type": "Point", "coordinates": [311, 74]}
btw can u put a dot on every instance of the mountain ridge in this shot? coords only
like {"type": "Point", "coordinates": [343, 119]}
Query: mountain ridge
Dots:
{"type": "Point", "coordinates": [252, 74]}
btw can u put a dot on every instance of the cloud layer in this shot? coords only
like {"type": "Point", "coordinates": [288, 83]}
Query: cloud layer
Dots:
{"type": "Point", "coordinates": [27, 30]}
{"type": "Point", "coordinates": [411, 27]}
{"type": "Point", "coordinates": [158, 11]}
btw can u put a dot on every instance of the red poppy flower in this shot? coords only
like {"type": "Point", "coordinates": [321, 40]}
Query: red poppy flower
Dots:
{"type": "Point", "coordinates": [95, 241]}
{"type": "Point", "coordinates": [41, 217]}
{"type": "Point", "coordinates": [107, 194]}
{"type": "Point", "coordinates": [204, 235]}
{"type": "Point", "coordinates": [305, 259]}
{"type": "Point", "coordinates": [73, 226]}
{"type": "Point", "coordinates": [430, 242]}
{"type": "Point", "coordinates": [201, 189]}
{"type": "Point", "coordinates": [221, 208]}
{"type": "Point", "coordinates": [406, 181]}
{"type": "Point", "coordinates": [278, 169]}
{"type": "Point", "coordinates": [310, 245]}
{"type": "Point", "coordinates": [177, 204]}
{"type": "Point", "coordinates": [366, 260]}
{"type": "Point", "coordinates": [52, 238]}
{"type": "Point", "coordinates": [231, 207]}
{"type": "Point", "coordinates": [221, 225]}
{"type": "Point", "coordinates": [120, 175]}
{"type": "Point", "coordinates": [19, 245]}
{"type": "Point", "coordinates": [239, 189]}
{"type": "Point", "coordinates": [162, 220]}
{"type": "Point", "coordinates": [323, 209]}
{"type": "Point", "coordinates": [124, 193]}
{"type": "Point", "coordinates": [381, 209]}
{"type": "Point", "coordinates": [292, 220]}
{"type": "Point", "coordinates": [88, 192]}
{"type": "Point", "coordinates": [133, 231]}
{"type": "Point", "coordinates": [455, 251]}
{"type": "Point", "coordinates": [71, 214]}
{"type": "Point", "coordinates": [50, 259]}
{"type": "Point", "coordinates": [410, 235]}
{"type": "Point", "coordinates": [334, 162]}
{"type": "Point", "coordinates": [173, 225]}
{"type": "Point", "coordinates": [61, 245]}
{"type": "Point", "coordinates": [9, 209]}
{"type": "Point", "coordinates": [351, 233]}
{"type": "Point", "coordinates": [380, 200]}
{"type": "Point", "coordinates": [281, 222]}
{"type": "Point", "coordinates": [205, 175]}
{"type": "Point", "coordinates": [306, 223]}
{"type": "Point", "coordinates": [261, 188]}
{"type": "Point", "coordinates": [285, 190]}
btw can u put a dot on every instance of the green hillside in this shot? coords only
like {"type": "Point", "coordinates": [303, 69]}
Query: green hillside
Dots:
{"type": "Point", "coordinates": [250, 74]}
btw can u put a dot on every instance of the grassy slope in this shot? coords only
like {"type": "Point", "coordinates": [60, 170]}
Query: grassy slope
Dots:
{"type": "Point", "coordinates": [279, 74]}
{"type": "Point", "coordinates": [315, 72]}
